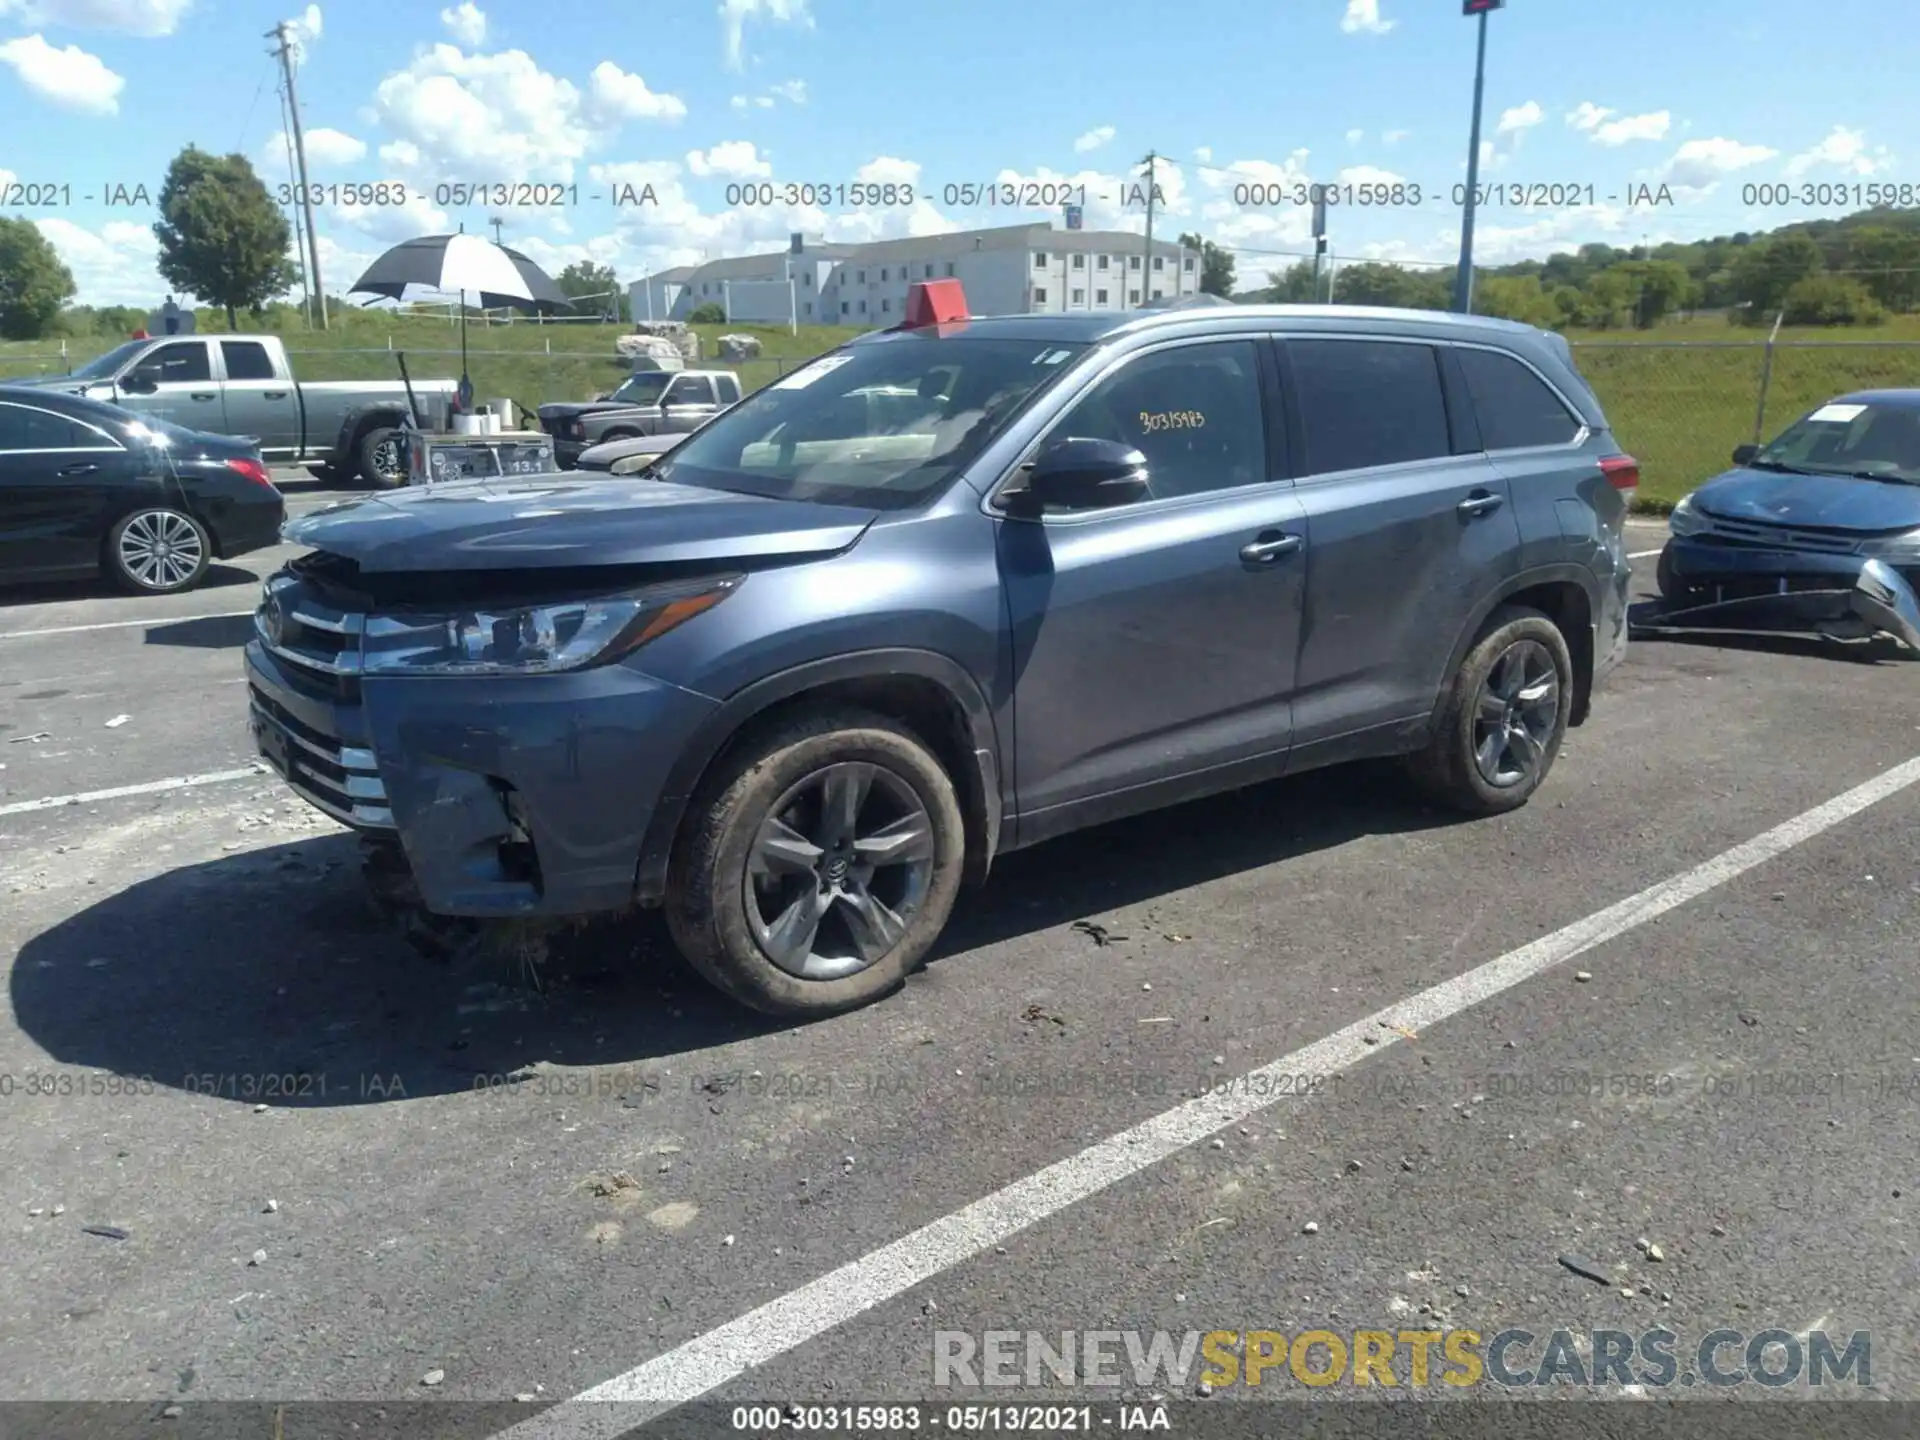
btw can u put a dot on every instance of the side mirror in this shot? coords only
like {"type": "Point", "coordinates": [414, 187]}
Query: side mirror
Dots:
{"type": "Point", "coordinates": [1079, 474]}
{"type": "Point", "coordinates": [1745, 454]}
{"type": "Point", "coordinates": [143, 381]}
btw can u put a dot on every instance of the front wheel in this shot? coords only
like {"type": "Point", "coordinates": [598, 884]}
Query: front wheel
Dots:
{"type": "Point", "coordinates": [1503, 718]}
{"type": "Point", "coordinates": [814, 872]}
{"type": "Point", "coordinates": [159, 551]}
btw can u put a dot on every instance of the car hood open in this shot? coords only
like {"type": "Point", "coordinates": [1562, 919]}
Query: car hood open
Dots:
{"type": "Point", "coordinates": [1827, 502]}
{"type": "Point", "coordinates": [552, 522]}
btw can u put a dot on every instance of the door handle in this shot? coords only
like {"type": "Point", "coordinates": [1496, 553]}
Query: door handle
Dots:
{"type": "Point", "coordinates": [84, 467]}
{"type": "Point", "coordinates": [202, 395]}
{"type": "Point", "coordinates": [1476, 505]}
{"type": "Point", "coordinates": [273, 395]}
{"type": "Point", "coordinates": [1259, 552]}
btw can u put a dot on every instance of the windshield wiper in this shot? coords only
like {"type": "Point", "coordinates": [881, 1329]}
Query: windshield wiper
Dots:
{"type": "Point", "coordinates": [1780, 468]}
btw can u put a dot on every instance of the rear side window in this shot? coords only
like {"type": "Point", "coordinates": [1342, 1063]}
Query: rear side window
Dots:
{"type": "Point", "coordinates": [1368, 402]}
{"type": "Point", "coordinates": [246, 360]}
{"type": "Point", "coordinates": [1515, 407]}
{"type": "Point", "coordinates": [729, 391]}
{"type": "Point", "coordinates": [691, 390]}
{"type": "Point", "coordinates": [23, 427]}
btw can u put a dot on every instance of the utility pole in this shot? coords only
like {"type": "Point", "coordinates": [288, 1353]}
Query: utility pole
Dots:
{"type": "Point", "coordinates": [1146, 259]}
{"type": "Point", "coordinates": [281, 33]}
{"type": "Point", "coordinates": [1463, 277]}
{"type": "Point", "coordinates": [299, 242]}
{"type": "Point", "coordinates": [496, 222]}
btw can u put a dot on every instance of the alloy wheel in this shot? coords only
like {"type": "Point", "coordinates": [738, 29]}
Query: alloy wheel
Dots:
{"type": "Point", "coordinates": [838, 870]}
{"type": "Point", "coordinates": [1515, 714]}
{"type": "Point", "coordinates": [386, 461]}
{"type": "Point", "coordinates": [160, 549]}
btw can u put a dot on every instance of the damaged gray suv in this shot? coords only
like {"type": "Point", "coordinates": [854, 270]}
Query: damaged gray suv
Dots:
{"type": "Point", "coordinates": [947, 592]}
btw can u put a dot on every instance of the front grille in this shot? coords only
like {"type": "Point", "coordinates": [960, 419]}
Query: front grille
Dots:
{"type": "Point", "coordinates": [1747, 535]}
{"type": "Point", "coordinates": [317, 643]}
{"type": "Point", "coordinates": [342, 780]}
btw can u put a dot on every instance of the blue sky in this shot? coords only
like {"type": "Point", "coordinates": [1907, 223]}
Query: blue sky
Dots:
{"type": "Point", "coordinates": [690, 96]}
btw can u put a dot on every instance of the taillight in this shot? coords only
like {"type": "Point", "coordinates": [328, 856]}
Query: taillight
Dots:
{"type": "Point", "coordinates": [253, 470]}
{"type": "Point", "coordinates": [1622, 472]}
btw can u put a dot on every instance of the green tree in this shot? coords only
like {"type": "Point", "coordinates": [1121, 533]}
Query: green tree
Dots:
{"type": "Point", "coordinates": [222, 239]}
{"type": "Point", "coordinates": [34, 284]}
{"type": "Point", "coordinates": [1766, 272]}
{"type": "Point", "coordinates": [1374, 282]}
{"type": "Point", "coordinates": [711, 313]}
{"type": "Point", "coordinates": [584, 278]}
{"type": "Point", "coordinates": [1886, 262]}
{"type": "Point", "coordinates": [1216, 266]}
{"type": "Point", "coordinates": [1660, 287]}
{"type": "Point", "coordinates": [1294, 285]}
{"type": "Point", "coordinates": [1831, 300]}
{"type": "Point", "coordinates": [1516, 297]}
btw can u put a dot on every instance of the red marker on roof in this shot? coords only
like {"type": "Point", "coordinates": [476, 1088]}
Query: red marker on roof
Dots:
{"type": "Point", "coordinates": [934, 304]}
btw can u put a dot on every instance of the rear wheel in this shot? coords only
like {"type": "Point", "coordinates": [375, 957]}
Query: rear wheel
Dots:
{"type": "Point", "coordinates": [1503, 718]}
{"type": "Point", "coordinates": [379, 455]}
{"type": "Point", "coordinates": [815, 871]}
{"type": "Point", "coordinates": [158, 551]}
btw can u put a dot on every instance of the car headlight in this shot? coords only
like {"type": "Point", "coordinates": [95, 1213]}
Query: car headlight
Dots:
{"type": "Point", "coordinates": [535, 639]}
{"type": "Point", "coordinates": [1900, 549]}
{"type": "Point", "coordinates": [1685, 520]}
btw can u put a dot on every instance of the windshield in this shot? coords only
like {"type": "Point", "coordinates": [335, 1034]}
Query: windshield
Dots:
{"type": "Point", "coordinates": [1851, 439]}
{"type": "Point", "coordinates": [642, 389]}
{"type": "Point", "coordinates": [883, 425]}
{"type": "Point", "coordinates": [107, 364]}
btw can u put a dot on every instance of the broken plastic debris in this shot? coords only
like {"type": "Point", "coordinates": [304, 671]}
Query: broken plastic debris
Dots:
{"type": "Point", "coordinates": [105, 1232]}
{"type": "Point", "coordinates": [118, 721]}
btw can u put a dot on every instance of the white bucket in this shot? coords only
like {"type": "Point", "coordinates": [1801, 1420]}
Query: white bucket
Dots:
{"type": "Point", "coordinates": [469, 424]}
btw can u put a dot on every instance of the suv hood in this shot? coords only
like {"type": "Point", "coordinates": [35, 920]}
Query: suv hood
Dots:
{"type": "Point", "coordinates": [553, 522]}
{"type": "Point", "coordinates": [1828, 502]}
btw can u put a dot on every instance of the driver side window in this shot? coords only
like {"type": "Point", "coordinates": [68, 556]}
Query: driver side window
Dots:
{"type": "Point", "coordinates": [1194, 412]}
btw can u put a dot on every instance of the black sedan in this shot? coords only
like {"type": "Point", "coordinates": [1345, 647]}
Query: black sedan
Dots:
{"type": "Point", "coordinates": [88, 488]}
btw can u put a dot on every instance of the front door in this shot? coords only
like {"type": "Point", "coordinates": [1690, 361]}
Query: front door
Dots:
{"type": "Point", "coordinates": [183, 388]}
{"type": "Point", "coordinates": [1157, 640]}
{"type": "Point", "coordinates": [1406, 537]}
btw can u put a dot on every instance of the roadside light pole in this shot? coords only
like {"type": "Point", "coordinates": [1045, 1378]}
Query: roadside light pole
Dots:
{"type": "Point", "coordinates": [1463, 277]}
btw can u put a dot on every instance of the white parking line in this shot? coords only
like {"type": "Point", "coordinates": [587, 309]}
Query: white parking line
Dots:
{"type": "Point", "coordinates": [119, 625]}
{"type": "Point", "coordinates": [709, 1361]}
{"type": "Point", "coordinates": [1640, 554]}
{"type": "Point", "coordinates": [121, 792]}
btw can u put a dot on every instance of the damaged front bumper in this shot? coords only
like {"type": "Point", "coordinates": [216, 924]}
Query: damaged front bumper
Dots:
{"type": "Point", "coordinates": [1876, 599]}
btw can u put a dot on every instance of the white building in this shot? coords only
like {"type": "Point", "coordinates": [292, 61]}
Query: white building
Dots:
{"type": "Point", "coordinates": [1008, 270]}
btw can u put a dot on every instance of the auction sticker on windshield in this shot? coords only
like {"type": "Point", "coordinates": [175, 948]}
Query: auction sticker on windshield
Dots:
{"type": "Point", "coordinates": [807, 374]}
{"type": "Point", "coordinates": [1838, 414]}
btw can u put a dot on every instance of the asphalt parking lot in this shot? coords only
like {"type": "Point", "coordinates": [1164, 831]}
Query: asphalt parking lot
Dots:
{"type": "Point", "coordinates": [1662, 1023]}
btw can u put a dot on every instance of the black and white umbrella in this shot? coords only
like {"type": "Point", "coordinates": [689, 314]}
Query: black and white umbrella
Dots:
{"type": "Point", "coordinates": [465, 265]}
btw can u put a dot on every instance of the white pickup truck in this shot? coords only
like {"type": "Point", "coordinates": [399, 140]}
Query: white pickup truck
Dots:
{"type": "Point", "coordinates": [243, 385]}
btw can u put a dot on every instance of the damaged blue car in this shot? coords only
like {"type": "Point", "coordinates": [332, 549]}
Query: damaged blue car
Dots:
{"type": "Point", "coordinates": [1816, 533]}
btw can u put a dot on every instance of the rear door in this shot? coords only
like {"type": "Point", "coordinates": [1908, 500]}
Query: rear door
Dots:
{"type": "Point", "coordinates": [258, 402]}
{"type": "Point", "coordinates": [1406, 535]}
{"type": "Point", "coordinates": [688, 403]}
{"type": "Point", "coordinates": [59, 479]}
{"type": "Point", "coordinates": [184, 389]}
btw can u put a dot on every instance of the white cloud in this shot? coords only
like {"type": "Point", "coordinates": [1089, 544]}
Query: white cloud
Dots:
{"type": "Point", "coordinates": [737, 159]}
{"type": "Point", "coordinates": [618, 95]}
{"type": "Point", "coordinates": [1369, 175]}
{"type": "Point", "coordinates": [1844, 150]}
{"type": "Point", "coordinates": [1394, 137]}
{"type": "Point", "coordinates": [324, 147]}
{"type": "Point", "coordinates": [1609, 127]}
{"type": "Point", "coordinates": [1364, 16]}
{"type": "Point", "coordinates": [67, 77]}
{"type": "Point", "coordinates": [1204, 154]}
{"type": "Point", "coordinates": [111, 266]}
{"type": "Point", "coordinates": [794, 92]}
{"type": "Point", "coordinates": [304, 30]}
{"type": "Point", "coordinates": [130, 17]}
{"type": "Point", "coordinates": [501, 117]}
{"type": "Point", "coordinates": [467, 23]}
{"type": "Point", "coordinates": [386, 225]}
{"type": "Point", "coordinates": [1354, 137]}
{"type": "Point", "coordinates": [1093, 139]}
{"type": "Point", "coordinates": [1699, 164]}
{"type": "Point", "coordinates": [734, 15]}
{"type": "Point", "coordinates": [1520, 119]}
{"type": "Point", "coordinates": [888, 170]}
